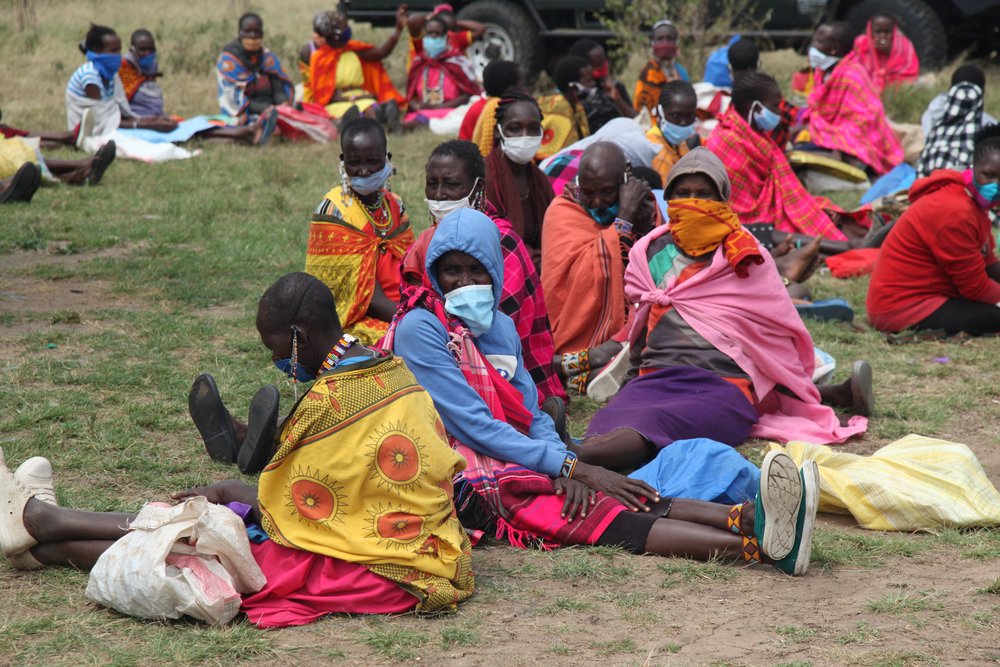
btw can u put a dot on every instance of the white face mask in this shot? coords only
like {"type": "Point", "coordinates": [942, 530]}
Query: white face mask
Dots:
{"type": "Point", "coordinates": [520, 150]}
{"type": "Point", "coordinates": [440, 208]}
{"type": "Point", "coordinates": [820, 60]}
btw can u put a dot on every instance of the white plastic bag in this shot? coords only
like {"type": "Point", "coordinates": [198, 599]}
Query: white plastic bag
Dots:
{"type": "Point", "coordinates": [149, 573]}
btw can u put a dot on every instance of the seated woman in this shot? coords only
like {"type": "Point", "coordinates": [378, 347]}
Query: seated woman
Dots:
{"type": "Point", "coordinates": [887, 53]}
{"type": "Point", "coordinates": [708, 366]}
{"type": "Point", "coordinates": [339, 73]}
{"type": "Point", "coordinates": [251, 80]}
{"type": "Point", "coordinates": [499, 78]}
{"type": "Point", "coordinates": [95, 90]}
{"type": "Point", "coordinates": [845, 114]}
{"type": "Point", "coordinates": [515, 186]}
{"type": "Point", "coordinates": [603, 101]}
{"type": "Point", "coordinates": [139, 73]}
{"type": "Point", "coordinates": [360, 232]}
{"type": "Point", "coordinates": [674, 131]}
{"type": "Point", "coordinates": [662, 69]}
{"type": "Point", "coordinates": [765, 189]}
{"type": "Point", "coordinates": [938, 268]}
{"type": "Point", "coordinates": [440, 77]}
{"type": "Point", "coordinates": [319, 556]}
{"type": "Point", "coordinates": [462, 33]}
{"type": "Point", "coordinates": [521, 483]}
{"type": "Point", "coordinates": [935, 109]}
{"type": "Point", "coordinates": [586, 236]}
{"type": "Point", "coordinates": [564, 117]}
{"type": "Point", "coordinates": [951, 139]}
{"type": "Point", "coordinates": [457, 178]}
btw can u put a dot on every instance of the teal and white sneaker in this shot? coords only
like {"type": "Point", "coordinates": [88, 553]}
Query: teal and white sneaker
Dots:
{"type": "Point", "coordinates": [776, 507]}
{"type": "Point", "coordinates": [796, 563]}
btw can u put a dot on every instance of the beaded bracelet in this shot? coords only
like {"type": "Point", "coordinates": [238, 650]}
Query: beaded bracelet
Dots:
{"type": "Point", "coordinates": [569, 465]}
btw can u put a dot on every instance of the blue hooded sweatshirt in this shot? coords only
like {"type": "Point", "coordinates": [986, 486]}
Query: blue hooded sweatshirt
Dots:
{"type": "Point", "coordinates": [421, 340]}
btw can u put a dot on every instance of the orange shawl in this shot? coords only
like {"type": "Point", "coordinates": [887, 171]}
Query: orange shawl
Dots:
{"type": "Point", "coordinates": [323, 74]}
{"type": "Point", "coordinates": [132, 78]}
{"type": "Point", "coordinates": [583, 277]}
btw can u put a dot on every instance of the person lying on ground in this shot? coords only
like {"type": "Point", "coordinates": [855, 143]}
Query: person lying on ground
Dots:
{"type": "Point", "coordinates": [938, 268]}
{"type": "Point", "coordinates": [363, 419]}
{"type": "Point", "coordinates": [586, 237]}
{"type": "Point", "coordinates": [845, 114]}
{"type": "Point", "coordinates": [521, 483]}
{"type": "Point", "coordinates": [456, 178]}
{"type": "Point", "coordinates": [707, 366]}
{"type": "Point", "coordinates": [360, 232]}
{"type": "Point", "coordinates": [339, 72]}
{"type": "Point", "coordinates": [661, 69]}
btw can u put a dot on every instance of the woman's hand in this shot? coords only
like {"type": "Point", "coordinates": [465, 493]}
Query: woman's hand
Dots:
{"type": "Point", "coordinates": [158, 124]}
{"type": "Point", "coordinates": [628, 491]}
{"type": "Point", "coordinates": [402, 15]}
{"type": "Point", "coordinates": [579, 497]}
{"type": "Point", "coordinates": [221, 493]}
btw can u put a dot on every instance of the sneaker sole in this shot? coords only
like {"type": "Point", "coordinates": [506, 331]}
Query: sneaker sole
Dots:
{"type": "Point", "coordinates": [780, 495]}
{"type": "Point", "coordinates": [810, 488]}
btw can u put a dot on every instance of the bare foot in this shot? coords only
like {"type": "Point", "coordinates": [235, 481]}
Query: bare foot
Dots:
{"type": "Point", "coordinates": [798, 265]}
{"type": "Point", "coordinates": [783, 248]}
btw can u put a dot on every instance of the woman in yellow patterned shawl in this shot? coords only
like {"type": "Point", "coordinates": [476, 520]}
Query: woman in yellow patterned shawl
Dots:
{"type": "Point", "coordinates": [359, 234]}
{"type": "Point", "coordinates": [356, 505]}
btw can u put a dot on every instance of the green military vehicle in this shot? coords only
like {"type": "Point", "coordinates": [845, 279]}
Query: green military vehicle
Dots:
{"type": "Point", "coordinates": [532, 32]}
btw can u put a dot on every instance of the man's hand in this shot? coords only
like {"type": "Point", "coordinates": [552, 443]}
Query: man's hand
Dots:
{"type": "Point", "coordinates": [402, 16]}
{"type": "Point", "coordinates": [579, 497]}
{"type": "Point", "coordinates": [630, 198]}
{"type": "Point", "coordinates": [221, 493]}
{"type": "Point", "coordinates": [628, 491]}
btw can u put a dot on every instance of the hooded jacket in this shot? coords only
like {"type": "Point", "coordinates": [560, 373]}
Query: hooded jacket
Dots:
{"type": "Point", "coordinates": [422, 341]}
{"type": "Point", "coordinates": [938, 250]}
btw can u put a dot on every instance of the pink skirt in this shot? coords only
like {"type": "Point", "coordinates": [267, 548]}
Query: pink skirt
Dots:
{"type": "Point", "coordinates": [302, 587]}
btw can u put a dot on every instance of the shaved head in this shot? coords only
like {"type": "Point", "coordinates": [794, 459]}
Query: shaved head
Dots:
{"type": "Point", "coordinates": [603, 157]}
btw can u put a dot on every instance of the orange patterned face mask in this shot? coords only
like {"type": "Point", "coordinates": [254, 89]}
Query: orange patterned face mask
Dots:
{"type": "Point", "coordinates": [699, 226]}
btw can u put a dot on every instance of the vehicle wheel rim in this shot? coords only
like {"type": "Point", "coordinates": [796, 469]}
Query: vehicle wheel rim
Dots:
{"type": "Point", "coordinates": [494, 35]}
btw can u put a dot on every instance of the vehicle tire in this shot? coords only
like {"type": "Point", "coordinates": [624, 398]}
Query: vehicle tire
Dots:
{"type": "Point", "coordinates": [508, 27]}
{"type": "Point", "coordinates": [916, 18]}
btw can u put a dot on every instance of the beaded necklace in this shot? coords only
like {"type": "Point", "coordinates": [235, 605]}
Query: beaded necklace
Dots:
{"type": "Point", "coordinates": [338, 351]}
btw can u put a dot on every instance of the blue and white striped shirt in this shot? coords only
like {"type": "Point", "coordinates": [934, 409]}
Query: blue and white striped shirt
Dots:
{"type": "Point", "coordinates": [87, 74]}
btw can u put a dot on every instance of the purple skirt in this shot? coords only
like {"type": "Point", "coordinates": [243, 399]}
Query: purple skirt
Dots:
{"type": "Point", "coordinates": [678, 403]}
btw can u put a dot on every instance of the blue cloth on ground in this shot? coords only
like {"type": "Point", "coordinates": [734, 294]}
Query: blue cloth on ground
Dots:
{"type": "Point", "coordinates": [898, 179]}
{"type": "Point", "coordinates": [184, 131]}
{"type": "Point", "coordinates": [717, 66]}
{"type": "Point", "coordinates": [701, 469]}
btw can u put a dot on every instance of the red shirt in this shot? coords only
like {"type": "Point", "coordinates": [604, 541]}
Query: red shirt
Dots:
{"type": "Point", "coordinates": [471, 118]}
{"type": "Point", "coordinates": [938, 250]}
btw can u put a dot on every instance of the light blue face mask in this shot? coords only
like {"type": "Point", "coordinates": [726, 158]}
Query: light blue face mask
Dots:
{"type": "Point", "coordinates": [820, 60]}
{"type": "Point", "coordinates": [473, 304]}
{"type": "Point", "coordinates": [604, 216]}
{"type": "Point", "coordinates": [676, 134]}
{"type": "Point", "coordinates": [435, 46]}
{"type": "Point", "coordinates": [764, 118]}
{"type": "Point", "coordinates": [366, 185]}
{"type": "Point", "coordinates": [300, 373]}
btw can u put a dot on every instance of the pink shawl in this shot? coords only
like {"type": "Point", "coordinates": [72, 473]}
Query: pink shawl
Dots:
{"type": "Point", "coordinates": [899, 66]}
{"type": "Point", "coordinates": [770, 344]}
{"type": "Point", "coordinates": [846, 114]}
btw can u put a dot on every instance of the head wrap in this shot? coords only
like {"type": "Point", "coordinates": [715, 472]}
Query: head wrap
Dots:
{"type": "Point", "coordinates": [700, 160]}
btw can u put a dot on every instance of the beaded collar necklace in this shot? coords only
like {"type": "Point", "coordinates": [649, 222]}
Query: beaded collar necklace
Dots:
{"type": "Point", "coordinates": [338, 351]}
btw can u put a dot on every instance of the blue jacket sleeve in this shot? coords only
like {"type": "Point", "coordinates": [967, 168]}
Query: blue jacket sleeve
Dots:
{"type": "Point", "coordinates": [542, 426]}
{"type": "Point", "coordinates": [422, 343]}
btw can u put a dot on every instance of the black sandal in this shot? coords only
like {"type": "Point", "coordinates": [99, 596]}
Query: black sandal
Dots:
{"type": "Point", "coordinates": [209, 414]}
{"type": "Point", "coordinates": [262, 427]}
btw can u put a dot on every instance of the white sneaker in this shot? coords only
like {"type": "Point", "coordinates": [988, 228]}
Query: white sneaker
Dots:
{"type": "Point", "coordinates": [780, 496]}
{"type": "Point", "coordinates": [15, 540]}
{"type": "Point", "coordinates": [609, 379]}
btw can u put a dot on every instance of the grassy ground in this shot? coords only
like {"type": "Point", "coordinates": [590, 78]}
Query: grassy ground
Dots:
{"type": "Point", "coordinates": [113, 298]}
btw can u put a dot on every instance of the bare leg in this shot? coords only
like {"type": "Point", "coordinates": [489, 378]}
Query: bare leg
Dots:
{"type": "Point", "coordinates": [826, 246]}
{"type": "Point", "coordinates": [615, 450]}
{"type": "Point", "coordinates": [671, 537]}
{"type": "Point", "coordinates": [70, 171]}
{"type": "Point", "coordinates": [246, 134]}
{"type": "Point", "coordinates": [79, 554]}
{"type": "Point", "coordinates": [707, 513]}
{"type": "Point", "coordinates": [49, 523]}
{"type": "Point", "coordinates": [55, 139]}
{"type": "Point", "coordinates": [797, 265]}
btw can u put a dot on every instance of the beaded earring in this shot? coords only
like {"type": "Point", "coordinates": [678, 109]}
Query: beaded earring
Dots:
{"type": "Point", "coordinates": [345, 186]}
{"type": "Point", "coordinates": [295, 363]}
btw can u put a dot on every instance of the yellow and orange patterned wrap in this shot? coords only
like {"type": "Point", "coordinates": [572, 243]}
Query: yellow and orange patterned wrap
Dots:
{"type": "Point", "coordinates": [363, 473]}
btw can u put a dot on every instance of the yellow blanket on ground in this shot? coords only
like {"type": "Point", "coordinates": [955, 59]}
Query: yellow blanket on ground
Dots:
{"type": "Point", "coordinates": [915, 483]}
{"type": "Point", "coordinates": [363, 473]}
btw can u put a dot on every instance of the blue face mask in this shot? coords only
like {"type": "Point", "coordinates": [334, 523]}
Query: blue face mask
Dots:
{"type": "Point", "coordinates": [676, 134]}
{"type": "Point", "coordinates": [435, 46]}
{"type": "Point", "coordinates": [345, 35]}
{"type": "Point", "coordinates": [764, 118]}
{"type": "Point", "coordinates": [300, 374]}
{"type": "Point", "coordinates": [604, 216]}
{"type": "Point", "coordinates": [474, 305]}
{"type": "Point", "coordinates": [989, 191]}
{"type": "Point", "coordinates": [366, 185]}
{"type": "Point", "coordinates": [148, 63]}
{"type": "Point", "coordinates": [107, 64]}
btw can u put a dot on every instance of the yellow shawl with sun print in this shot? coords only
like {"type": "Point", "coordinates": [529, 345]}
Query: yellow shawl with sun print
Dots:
{"type": "Point", "coordinates": [363, 473]}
